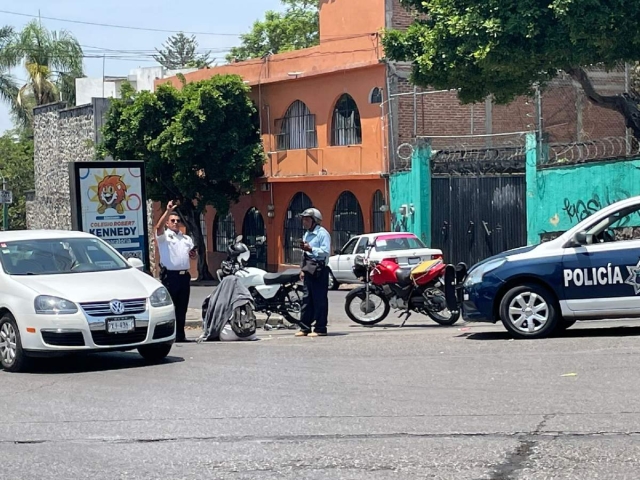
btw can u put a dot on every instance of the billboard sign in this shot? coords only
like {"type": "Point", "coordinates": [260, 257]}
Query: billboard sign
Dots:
{"type": "Point", "coordinates": [110, 203]}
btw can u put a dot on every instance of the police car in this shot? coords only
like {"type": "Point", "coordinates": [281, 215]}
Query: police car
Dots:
{"type": "Point", "coordinates": [590, 272]}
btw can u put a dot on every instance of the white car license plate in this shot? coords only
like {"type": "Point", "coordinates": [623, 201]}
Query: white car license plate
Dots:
{"type": "Point", "coordinates": [414, 260]}
{"type": "Point", "coordinates": [120, 324]}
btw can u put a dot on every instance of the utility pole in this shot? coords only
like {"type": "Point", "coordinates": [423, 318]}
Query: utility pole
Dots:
{"type": "Point", "coordinates": [5, 207]}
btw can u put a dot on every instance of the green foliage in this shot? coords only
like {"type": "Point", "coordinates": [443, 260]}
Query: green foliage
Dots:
{"type": "Point", "coordinates": [52, 61]}
{"type": "Point", "coordinates": [180, 52]}
{"type": "Point", "coordinates": [8, 85]}
{"type": "Point", "coordinates": [296, 28]}
{"type": "Point", "coordinates": [201, 144]}
{"type": "Point", "coordinates": [16, 165]}
{"type": "Point", "coordinates": [504, 47]}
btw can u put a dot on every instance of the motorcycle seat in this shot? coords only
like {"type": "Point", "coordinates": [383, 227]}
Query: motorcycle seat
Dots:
{"type": "Point", "coordinates": [288, 276]}
{"type": "Point", "coordinates": [404, 276]}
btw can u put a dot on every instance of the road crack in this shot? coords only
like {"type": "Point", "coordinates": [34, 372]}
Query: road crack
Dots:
{"type": "Point", "coordinates": [516, 460]}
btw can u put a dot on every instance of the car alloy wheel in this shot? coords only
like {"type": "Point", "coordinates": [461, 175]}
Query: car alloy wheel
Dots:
{"type": "Point", "coordinates": [12, 357]}
{"type": "Point", "coordinates": [8, 344]}
{"type": "Point", "coordinates": [529, 311]}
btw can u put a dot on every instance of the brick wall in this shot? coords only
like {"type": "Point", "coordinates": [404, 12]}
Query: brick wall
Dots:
{"type": "Point", "coordinates": [567, 115]}
{"type": "Point", "coordinates": [517, 116]}
{"type": "Point", "coordinates": [401, 17]}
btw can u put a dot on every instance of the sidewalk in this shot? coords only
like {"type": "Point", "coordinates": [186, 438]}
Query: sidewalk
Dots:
{"type": "Point", "coordinates": [194, 319]}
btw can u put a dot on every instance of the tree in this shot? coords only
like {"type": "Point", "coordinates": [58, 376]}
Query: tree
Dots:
{"type": "Point", "coordinates": [505, 47]}
{"type": "Point", "coordinates": [201, 145]}
{"type": "Point", "coordinates": [8, 85]}
{"type": "Point", "coordinates": [180, 52]}
{"type": "Point", "coordinates": [296, 28]}
{"type": "Point", "coordinates": [52, 62]}
{"type": "Point", "coordinates": [16, 165]}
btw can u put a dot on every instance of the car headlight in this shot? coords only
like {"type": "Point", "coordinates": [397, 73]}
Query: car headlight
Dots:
{"type": "Point", "coordinates": [48, 305]}
{"type": "Point", "coordinates": [160, 298]}
{"type": "Point", "coordinates": [475, 275]}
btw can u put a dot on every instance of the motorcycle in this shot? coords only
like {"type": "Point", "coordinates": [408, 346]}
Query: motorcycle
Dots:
{"type": "Point", "coordinates": [272, 293]}
{"type": "Point", "coordinates": [414, 289]}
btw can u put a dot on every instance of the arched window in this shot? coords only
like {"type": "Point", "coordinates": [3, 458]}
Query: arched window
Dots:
{"type": "Point", "coordinates": [254, 235]}
{"type": "Point", "coordinates": [293, 230]}
{"type": "Point", "coordinates": [377, 215]}
{"type": "Point", "coordinates": [347, 220]}
{"type": "Point", "coordinates": [345, 127]}
{"type": "Point", "coordinates": [225, 229]}
{"type": "Point", "coordinates": [376, 95]}
{"type": "Point", "coordinates": [297, 130]}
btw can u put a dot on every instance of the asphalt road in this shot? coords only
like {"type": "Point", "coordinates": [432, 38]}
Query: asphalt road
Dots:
{"type": "Point", "coordinates": [464, 402]}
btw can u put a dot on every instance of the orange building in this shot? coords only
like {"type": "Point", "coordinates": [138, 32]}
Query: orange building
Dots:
{"type": "Point", "coordinates": [322, 124]}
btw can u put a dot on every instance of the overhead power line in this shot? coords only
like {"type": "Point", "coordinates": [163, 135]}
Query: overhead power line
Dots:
{"type": "Point", "coordinates": [126, 27]}
{"type": "Point", "coordinates": [145, 29]}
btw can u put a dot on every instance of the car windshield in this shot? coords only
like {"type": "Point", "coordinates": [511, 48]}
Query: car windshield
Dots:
{"type": "Point", "coordinates": [391, 244]}
{"type": "Point", "coordinates": [58, 256]}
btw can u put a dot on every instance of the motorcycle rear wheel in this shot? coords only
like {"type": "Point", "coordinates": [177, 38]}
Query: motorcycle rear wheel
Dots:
{"type": "Point", "coordinates": [360, 294]}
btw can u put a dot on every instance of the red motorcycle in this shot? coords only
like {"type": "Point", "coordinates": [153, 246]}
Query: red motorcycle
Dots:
{"type": "Point", "coordinates": [386, 284]}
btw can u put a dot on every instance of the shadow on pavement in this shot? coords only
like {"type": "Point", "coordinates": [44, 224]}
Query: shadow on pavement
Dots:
{"type": "Point", "coordinates": [616, 331]}
{"type": "Point", "coordinates": [94, 362]}
{"type": "Point", "coordinates": [383, 326]}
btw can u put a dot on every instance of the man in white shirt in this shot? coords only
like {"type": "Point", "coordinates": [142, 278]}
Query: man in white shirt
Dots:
{"type": "Point", "coordinates": [175, 250]}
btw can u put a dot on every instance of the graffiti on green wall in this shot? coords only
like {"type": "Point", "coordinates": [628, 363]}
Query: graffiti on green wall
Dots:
{"type": "Point", "coordinates": [577, 210]}
{"type": "Point", "coordinates": [560, 198]}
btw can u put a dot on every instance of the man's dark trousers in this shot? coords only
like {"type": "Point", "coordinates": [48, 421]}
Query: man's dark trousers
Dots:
{"type": "Point", "coordinates": [179, 287]}
{"type": "Point", "coordinates": [315, 302]}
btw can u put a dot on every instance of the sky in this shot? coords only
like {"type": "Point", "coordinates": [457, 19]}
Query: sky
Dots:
{"type": "Point", "coordinates": [125, 49]}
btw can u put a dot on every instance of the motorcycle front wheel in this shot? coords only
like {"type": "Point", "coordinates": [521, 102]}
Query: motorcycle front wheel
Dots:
{"type": "Point", "coordinates": [358, 309]}
{"type": "Point", "coordinates": [292, 306]}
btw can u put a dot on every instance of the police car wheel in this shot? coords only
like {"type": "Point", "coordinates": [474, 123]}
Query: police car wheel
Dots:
{"type": "Point", "coordinates": [529, 311]}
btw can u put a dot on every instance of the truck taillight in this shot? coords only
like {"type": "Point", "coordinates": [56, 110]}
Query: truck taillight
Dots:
{"type": "Point", "coordinates": [436, 257]}
{"type": "Point", "coordinates": [394, 260]}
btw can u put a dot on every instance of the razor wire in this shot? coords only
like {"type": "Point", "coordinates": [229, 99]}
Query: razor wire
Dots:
{"type": "Point", "coordinates": [608, 148]}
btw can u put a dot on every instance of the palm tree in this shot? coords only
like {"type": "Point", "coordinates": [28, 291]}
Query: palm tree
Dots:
{"type": "Point", "coordinates": [52, 61]}
{"type": "Point", "coordinates": [8, 87]}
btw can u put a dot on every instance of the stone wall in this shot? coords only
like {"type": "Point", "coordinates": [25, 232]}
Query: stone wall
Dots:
{"type": "Point", "coordinates": [63, 135]}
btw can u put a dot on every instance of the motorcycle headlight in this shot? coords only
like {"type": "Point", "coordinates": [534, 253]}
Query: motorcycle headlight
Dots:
{"type": "Point", "coordinates": [475, 275]}
{"type": "Point", "coordinates": [48, 305]}
{"type": "Point", "coordinates": [160, 298]}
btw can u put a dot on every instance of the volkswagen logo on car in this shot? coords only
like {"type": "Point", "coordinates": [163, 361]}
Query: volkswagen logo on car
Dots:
{"type": "Point", "coordinates": [117, 307]}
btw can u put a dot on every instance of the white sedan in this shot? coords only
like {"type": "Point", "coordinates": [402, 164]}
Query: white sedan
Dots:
{"type": "Point", "coordinates": [404, 248]}
{"type": "Point", "coordinates": [68, 292]}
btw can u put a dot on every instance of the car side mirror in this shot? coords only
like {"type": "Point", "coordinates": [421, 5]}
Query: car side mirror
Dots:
{"type": "Point", "coordinates": [582, 238]}
{"type": "Point", "coordinates": [136, 263]}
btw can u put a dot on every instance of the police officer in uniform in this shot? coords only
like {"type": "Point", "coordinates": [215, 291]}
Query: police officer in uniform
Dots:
{"type": "Point", "coordinates": [176, 250]}
{"type": "Point", "coordinates": [316, 244]}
